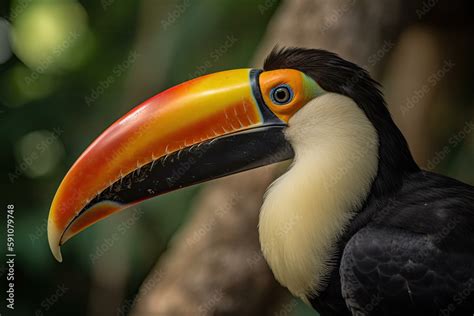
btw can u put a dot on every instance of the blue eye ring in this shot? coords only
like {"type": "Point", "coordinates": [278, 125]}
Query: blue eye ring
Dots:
{"type": "Point", "coordinates": [281, 94]}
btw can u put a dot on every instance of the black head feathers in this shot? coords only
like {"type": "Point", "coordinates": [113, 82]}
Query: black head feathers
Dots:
{"type": "Point", "coordinates": [331, 72]}
{"type": "Point", "coordinates": [337, 75]}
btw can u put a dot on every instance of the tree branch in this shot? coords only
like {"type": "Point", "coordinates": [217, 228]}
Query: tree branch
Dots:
{"type": "Point", "coordinates": [214, 265]}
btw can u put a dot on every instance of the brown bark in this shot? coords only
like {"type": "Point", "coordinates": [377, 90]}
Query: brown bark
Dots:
{"type": "Point", "coordinates": [214, 266]}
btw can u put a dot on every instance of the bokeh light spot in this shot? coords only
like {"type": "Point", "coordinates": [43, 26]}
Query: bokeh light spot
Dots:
{"type": "Point", "coordinates": [39, 152]}
{"type": "Point", "coordinates": [48, 35]}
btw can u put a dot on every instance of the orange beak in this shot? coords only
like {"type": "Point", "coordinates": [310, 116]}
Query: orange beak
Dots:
{"type": "Point", "coordinates": [203, 129]}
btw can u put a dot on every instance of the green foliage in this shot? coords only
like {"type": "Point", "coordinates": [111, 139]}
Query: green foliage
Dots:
{"type": "Point", "coordinates": [71, 75]}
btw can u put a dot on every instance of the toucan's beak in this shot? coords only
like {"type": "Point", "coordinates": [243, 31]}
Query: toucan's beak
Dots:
{"type": "Point", "coordinates": [203, 129]}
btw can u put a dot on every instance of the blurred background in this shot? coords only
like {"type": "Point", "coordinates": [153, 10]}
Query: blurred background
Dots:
{"type": "Point", "coordinates": [68, 69]}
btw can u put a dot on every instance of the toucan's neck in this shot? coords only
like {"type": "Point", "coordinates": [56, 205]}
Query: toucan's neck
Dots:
{"type": "Point", "coordinates": [395, 159]}
{"type": "Point", "coordinates": [307, 210]}
{"type": "Point", "coordinates": [395, 163]}
{"type": "Point", "coordinates": [348, 154]}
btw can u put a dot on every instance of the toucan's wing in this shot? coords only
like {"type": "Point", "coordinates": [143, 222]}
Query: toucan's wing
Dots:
{"type": "Point", "coordinates": [388, 271]}
{"type": "Point", "coordinates": [419, 256]}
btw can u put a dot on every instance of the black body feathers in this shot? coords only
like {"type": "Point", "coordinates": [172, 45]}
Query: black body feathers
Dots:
{"type": "Point", "coordinates": [410, 248]}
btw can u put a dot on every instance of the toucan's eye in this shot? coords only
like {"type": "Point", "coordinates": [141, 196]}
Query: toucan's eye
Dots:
{"type": "Point", "coordinates": [281, 94]}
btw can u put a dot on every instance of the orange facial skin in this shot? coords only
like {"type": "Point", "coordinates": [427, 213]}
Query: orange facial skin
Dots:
{"type": "Point", "coordinates": [304, 89]}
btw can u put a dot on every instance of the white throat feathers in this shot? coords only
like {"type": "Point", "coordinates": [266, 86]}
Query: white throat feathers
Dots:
{"type": "Point", "coordinates": [308, 208]}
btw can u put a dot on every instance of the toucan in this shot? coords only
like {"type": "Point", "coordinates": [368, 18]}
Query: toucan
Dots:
{"type": "Point", "coordinates": [353, 227]}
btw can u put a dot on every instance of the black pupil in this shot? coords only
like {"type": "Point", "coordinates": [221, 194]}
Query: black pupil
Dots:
{"type": "Point", "coordinates": [281, 94]}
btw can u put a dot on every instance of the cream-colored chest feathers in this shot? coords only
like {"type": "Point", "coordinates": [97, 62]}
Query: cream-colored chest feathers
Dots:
{"type": "Point", "coordinates": [307, 209]}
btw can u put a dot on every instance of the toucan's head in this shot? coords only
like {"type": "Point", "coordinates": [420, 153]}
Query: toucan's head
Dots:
{"type": "Point", "coordinates": [205, 128]}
